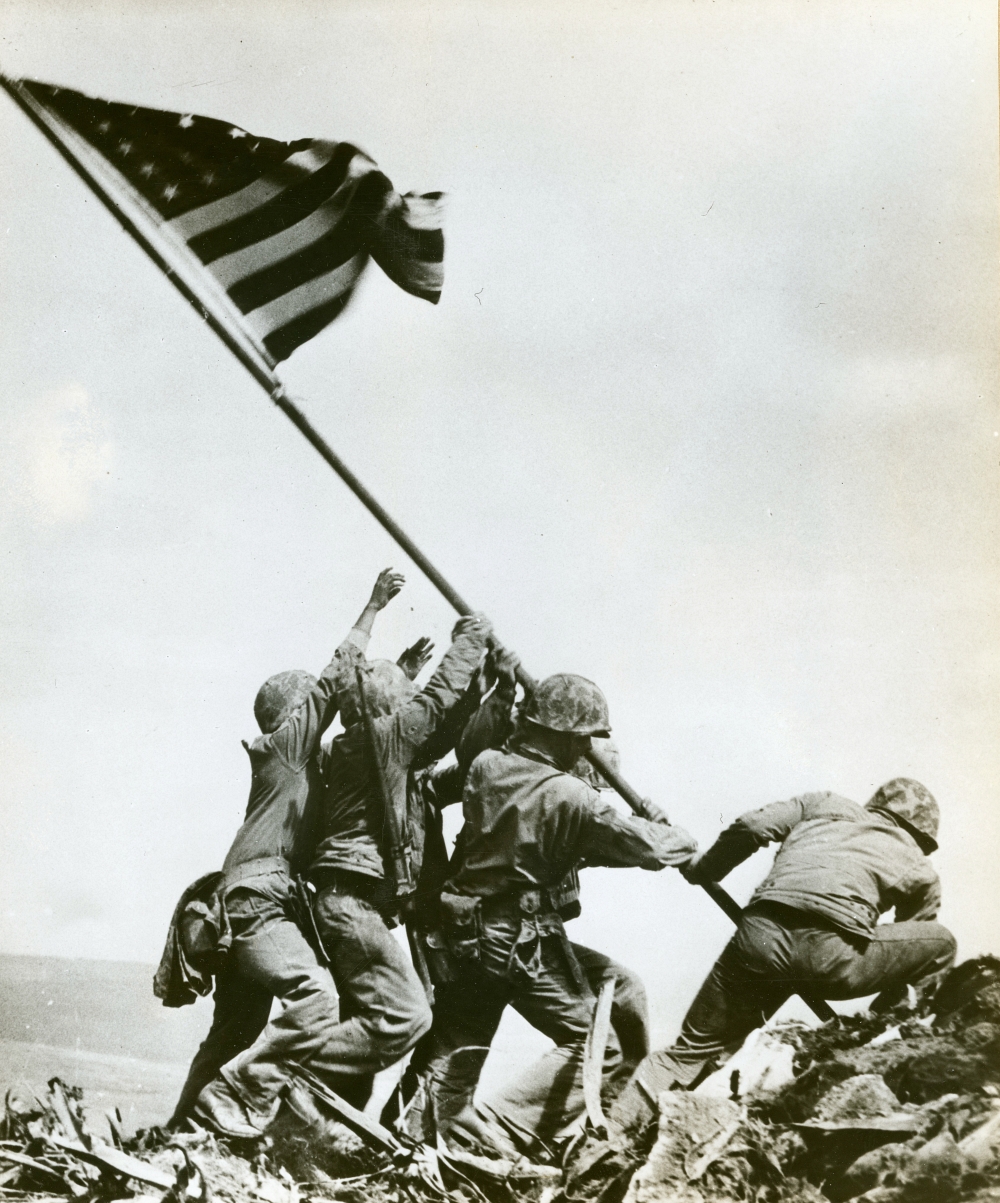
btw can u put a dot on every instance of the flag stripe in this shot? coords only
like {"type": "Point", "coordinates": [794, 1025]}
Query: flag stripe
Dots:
{"type": "Point", "coordinates": [216, 213]}
{"type": "Point", "coordinates": [320, 257]}
{"type": "Point", "coordinates": [230, 269]}
{"type": "Point", "coordinates": [328, 287]}
{"type": "Point", "coordinates": [397, 238]}
{"type": "Point", "coordinates": [283, 341]}
{"type": "Point", "coordinates": [334, 248]}
{"type": "Point", "coordinates": [278, 213]}
{"type": "Point", "coordinates": [240, 264]}
{"type": "Point", "coordinates": [272, 235]}
{"type": "Point", "coordinates": [421, 279]}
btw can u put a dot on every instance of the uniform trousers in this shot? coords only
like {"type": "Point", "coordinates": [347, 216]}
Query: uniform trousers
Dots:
{"type": "Point", "coordinates": [379, 1015]}
{"type": "Point", "coordinates": [269, 958]}
{"type": "Point", "coordinates": [530, 965]}
{"type": "Point", "coordinates": [776, 952]}
{"type": "Point", "coordinates": [384, 1009]}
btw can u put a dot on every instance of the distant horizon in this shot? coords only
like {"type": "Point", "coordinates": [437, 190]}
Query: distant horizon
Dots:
{"type": "Point", "coordinates": [41, 956]}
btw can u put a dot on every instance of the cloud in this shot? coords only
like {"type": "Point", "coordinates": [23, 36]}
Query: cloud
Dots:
{"type": "Point", "coordinates": [62, 454]}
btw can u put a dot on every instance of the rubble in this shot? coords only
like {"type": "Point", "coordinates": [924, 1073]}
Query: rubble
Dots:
{"type": "Point", "coordinates": [895, 1108]}
{"type": "Point", "coordinates": [693, 1132]}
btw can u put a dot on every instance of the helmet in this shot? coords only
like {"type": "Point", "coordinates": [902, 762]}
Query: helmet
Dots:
{"type": "Point", "coordinates": [569, 703]}
{"type": "Point", "coordinates": [279, 696]}
{"type": "Point", "coordinates": [914, 806]}
{"type": "Point", "coordinates": [587, 772]}
{"type": "Point", "coordinates": [387, 688]}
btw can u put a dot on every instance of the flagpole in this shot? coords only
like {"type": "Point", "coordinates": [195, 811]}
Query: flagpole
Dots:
{"type": "Point", "coordinates": [258, 367]}
{"type": "Point", "coordinates": [367, 499]}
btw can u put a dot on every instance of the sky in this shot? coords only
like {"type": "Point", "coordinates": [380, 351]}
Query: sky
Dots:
{"type": "Point", "coordinates": [707, 413]}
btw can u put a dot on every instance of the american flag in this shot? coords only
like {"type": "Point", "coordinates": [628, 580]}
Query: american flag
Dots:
{"type": "Point", "coordinates": [285, 228]}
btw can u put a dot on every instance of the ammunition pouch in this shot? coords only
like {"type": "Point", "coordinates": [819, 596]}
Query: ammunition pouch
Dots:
{"type": "Point", "coordinates": [535, 911]}
{"type": "Point", "coordinates": [461, 926]}
{"type": "Point", "coordinates": [442, 964]}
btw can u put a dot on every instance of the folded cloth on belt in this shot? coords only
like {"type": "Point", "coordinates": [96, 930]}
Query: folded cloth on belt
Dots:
{"type": "Point", "coordinates": [197, 939]}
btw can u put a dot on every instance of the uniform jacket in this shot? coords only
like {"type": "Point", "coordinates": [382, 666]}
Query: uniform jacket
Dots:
{"type": "Point", "coordinates": [837, 859]}
{"type": "Point", "coordinates": [284, 769]}
{"type": "Point", "coordinates": [528, 825]}
{"type": "Point", "coordinates": [352, 830]}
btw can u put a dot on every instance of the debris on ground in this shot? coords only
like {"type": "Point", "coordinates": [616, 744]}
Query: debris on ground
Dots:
{"type": "Point", "coordinates": [693, 1133]}
{"type": "Point", "coordinates": [902, 1107]}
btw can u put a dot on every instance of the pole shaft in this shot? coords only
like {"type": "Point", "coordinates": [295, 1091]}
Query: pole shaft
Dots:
{"type": "Point", "coordinates": [367, 499]}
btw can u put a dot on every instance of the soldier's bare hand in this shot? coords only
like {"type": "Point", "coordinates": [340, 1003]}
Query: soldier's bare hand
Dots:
{"type": "Point", "coordinates": [386, 587]}
{"type": "Point", "coordinates": [690, 871]}
{"type": "Point", "coordinates": [652, 812]}
{"type": "Point", "coordinates": [415, 657]}
{"type": "Point", "coordinates": [470, 624]}
{"type": "Point", "coordinates": [506, 665]}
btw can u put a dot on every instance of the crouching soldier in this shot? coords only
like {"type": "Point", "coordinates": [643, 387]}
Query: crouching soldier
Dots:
{"type": "Point", "coordinates": [811, 926]}
{"type": "Point", "coordinates": [528, 823]}
{"type": "Point", "coordinates": [233, 1088]}
{"type": "Point", "coordinates": [369, 855]}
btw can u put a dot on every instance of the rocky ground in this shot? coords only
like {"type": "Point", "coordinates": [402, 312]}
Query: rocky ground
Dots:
{"type": "Point", "coordinates": [898, 1108]}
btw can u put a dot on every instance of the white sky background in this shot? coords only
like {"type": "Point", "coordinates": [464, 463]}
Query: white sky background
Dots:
{"type": "Point", "coordinates": [708, 412]}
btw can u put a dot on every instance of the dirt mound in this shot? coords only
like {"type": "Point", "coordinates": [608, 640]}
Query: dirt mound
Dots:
{"type": "Point", "coordinates": [896, 1108]}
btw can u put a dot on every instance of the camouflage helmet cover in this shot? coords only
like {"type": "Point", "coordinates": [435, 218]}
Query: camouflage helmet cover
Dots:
{"type": "Point", "coordinates": [279, 696]}
{"type": "Point", "coordinates": [566, 702]}
{"type": "Point", "coordinates": [914, 804]}
{"type": "Point", "coordinates": [387, 688]}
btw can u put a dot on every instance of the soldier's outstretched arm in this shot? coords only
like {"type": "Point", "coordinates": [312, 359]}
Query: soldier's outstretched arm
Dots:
{"type": "Point", "coordinates": [408, 730]}
{"type": "Point", "coordinates": [416, 657]}
{"type": "Point", "coordinates": [751, 831]}
{"type": "Point", "coordinates": [299, 738]}
{"type": "Point", "coordinates": [619, 841]}
{"type": "Point", "coordinates": [387, 584]}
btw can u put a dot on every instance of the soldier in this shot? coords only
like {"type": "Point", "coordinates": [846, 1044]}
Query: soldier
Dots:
{"type": "Point", "coordinates": [528, 823]}
{"type": "Point", "coordinates": [368, 859]}
{"type": "Point", "coordinates": [811, 925]}
{"type": "Point", "coordinates": [449, 1059]}
{"type": "Point", "coordinates": [231, 1087]}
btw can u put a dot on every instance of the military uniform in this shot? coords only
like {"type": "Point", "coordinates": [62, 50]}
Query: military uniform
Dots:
{"type": "Point", "coordinates": [528, 825]}
{"type": "Point", "coordinates": [384, 1009]}
{"type": "Point", "coordinates": [269, 957]}
{"type": "Point", "coordinates": [810, 925]}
